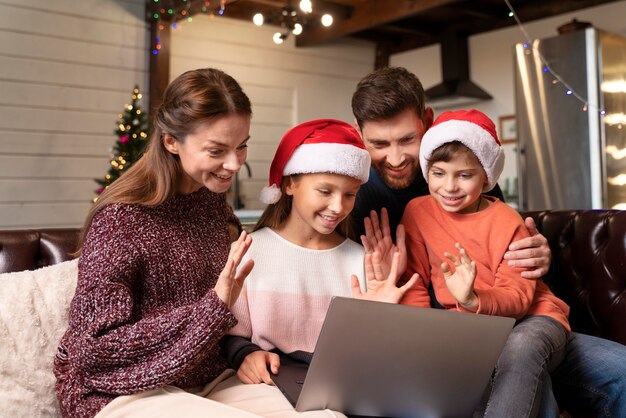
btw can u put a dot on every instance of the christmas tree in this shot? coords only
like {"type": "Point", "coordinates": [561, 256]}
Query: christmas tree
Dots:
{"type": "Point", "coordinates": [132, 133]}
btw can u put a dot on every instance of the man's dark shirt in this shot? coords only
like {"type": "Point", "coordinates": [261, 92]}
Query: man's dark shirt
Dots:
{"type": "Point", "coordinates": [375, 194]}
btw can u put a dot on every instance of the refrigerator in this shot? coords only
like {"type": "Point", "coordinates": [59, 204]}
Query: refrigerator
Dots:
{"type": "Point", "coordinates": [570, 102]}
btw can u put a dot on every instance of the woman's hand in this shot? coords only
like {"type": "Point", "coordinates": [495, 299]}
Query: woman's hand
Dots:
{"type": "Point", "coordinates": [461, 282]}
{"type": "Point", "coordinates": [532, 252]}
{"type": "Point", "coordinates": [228, 285]}
{"type": "Point", "coordinates": [379, 288]}
{"type": "Point", "coordinates": [377, 238]}
{"type": "Point", "coordinates": [254, 369]}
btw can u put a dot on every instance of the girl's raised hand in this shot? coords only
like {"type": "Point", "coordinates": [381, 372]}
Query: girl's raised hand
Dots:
{"type": "Point", "coordinates": [228, 285]}
{"type": "Point", "coordinates": [461, 282]}
{"type": "Point", "coordinates": [378, 239]}
{"type": "Point", "coordinates": [379, 288]}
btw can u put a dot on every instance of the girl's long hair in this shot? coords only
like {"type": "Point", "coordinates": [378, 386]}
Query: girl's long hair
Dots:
{"type": "Point", "coordinates": [192, 98]}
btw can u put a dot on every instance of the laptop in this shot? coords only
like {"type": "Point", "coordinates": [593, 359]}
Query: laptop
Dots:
{"type": "Point", "coordinates": [379, 359]}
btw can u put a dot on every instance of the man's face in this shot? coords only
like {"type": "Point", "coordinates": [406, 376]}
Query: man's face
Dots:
{"type": "Point", "coordinates": [394, 146]}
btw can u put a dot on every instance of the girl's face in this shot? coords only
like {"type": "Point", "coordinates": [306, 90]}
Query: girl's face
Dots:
{"type": "Point", "coordinates": [212, 154]}
{"type": "Point", "coordinates": [321, 201]}
{"type": "Point", "coordinates": [457, 184]}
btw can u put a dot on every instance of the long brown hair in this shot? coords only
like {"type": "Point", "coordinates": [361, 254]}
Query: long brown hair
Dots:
{"type": "Point", "coordinates": [276, 213]}
{"type": "Point", "coordinates": [191, 99]}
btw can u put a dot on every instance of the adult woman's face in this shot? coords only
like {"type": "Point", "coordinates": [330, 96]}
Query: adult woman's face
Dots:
{"type": "Point", "coordinates": [212, 154]}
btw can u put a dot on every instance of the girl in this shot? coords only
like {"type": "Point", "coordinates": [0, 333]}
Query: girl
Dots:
{"type": "Point", "coordinates": [461, 158]}
{"type": "Point", "coordinates": [156, 279]}
{"type": "Point", "coordinates": [303, 256]}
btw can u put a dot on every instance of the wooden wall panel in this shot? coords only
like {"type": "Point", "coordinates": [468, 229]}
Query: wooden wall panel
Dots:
{"type": "Point", "coordinates": [67, 68]}
{"type": "Point", "coordinates": [56, 143]}
{"type": "Point", "coordinates": [286, 85]}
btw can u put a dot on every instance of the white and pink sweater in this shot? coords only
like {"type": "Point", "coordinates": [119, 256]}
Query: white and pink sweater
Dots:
{"type": "Point", "coordinates": [285, 298]}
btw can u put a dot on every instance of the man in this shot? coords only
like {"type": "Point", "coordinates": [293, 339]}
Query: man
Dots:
{"type": "Point", "coordinates": [390, 111]}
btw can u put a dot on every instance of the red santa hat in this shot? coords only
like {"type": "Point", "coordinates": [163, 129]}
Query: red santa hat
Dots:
{"type": "Point", "coordinates": [318, 146]}
{"type": "Point", "coordinates": [474, 130]}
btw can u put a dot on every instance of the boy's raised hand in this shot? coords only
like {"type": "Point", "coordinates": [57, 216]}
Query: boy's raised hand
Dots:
{"type": "Point", "coordinates": [377, 238]}
{"type": "Point", "coordinates": [461, 282]}
{"type": "Point", "coordinates": [254, 368]}
{"type": "Point", "coordinates": [379, 287]}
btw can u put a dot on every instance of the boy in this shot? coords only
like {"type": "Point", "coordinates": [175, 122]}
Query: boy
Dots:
{"type": "Point", "coordinates": [461, 158]}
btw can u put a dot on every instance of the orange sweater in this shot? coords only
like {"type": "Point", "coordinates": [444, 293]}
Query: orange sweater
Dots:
{"type": "Point", "coordinates": [485, 235]}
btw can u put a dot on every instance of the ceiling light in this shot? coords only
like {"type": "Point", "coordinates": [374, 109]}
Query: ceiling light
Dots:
{"type": "Point", "coordinates": [279, 38]}
{"type": "Point", "coordinates": [290, 20]}
{"type": "Point", "coordinates": [327, 20]}
{"type": "Point", "coordinates": [306, 6]}
{"type": "Point", "coordinates": [258, 19]}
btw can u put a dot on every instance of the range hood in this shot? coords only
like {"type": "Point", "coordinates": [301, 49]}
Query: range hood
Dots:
{"type": "Point", "coordinates": [456, 89]}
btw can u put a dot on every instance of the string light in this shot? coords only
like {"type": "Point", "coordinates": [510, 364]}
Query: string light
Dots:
{"type": "Point", "coordinates": [569, 90]}
{"type": "Point", "coordinates": [171, 13]}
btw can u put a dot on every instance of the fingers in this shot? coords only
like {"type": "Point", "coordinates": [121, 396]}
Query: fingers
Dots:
{"type": "Point", "coordinates": [378, 268]}
{"type": "Point", "coordinates": [447, 272]}
{"type": "Point", "coordinates": [453, 258]}
{"type": "Point", "coordinates": [531, 226]}
{"type": "Point", "coordinates": [376, 226]}
{"type": "Point", "coordinates": [274, 363]}
{"type": "Point", "coordinates": [370, 275]}
{"type": "Point", "coordinates": [243, 273]}
{"type": "Point", "coordinates": [409, 284]}
{"type": "Point", "coordinates": [392, 279]}
{"type": "Point", "coordinates": [254, 368]}
{"type": "Point", "coordinates": [237, 283]}
{"type": "Point", "coordinates": [535, 274]}
{"type": "Point", "coordinates": [536, 242]}
{"type": "Point", "coordinates": [366, 244]}
{"type": "Point", "coordinates": [401, 238]}
{"type": "Point", "coordinates": [386, 230]}
{"type": "Point", "coordinates": [369, 233]}
{"type": "Point", "coordinates": [464, 257]}
{"type": "Point", "coordinates": [356, 287]}
{"type": "Point", "coordinates": [240, 247]}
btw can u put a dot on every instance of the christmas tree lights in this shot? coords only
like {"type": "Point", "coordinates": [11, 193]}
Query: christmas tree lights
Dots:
{"type": "Point", "coordinates": [132, 133]}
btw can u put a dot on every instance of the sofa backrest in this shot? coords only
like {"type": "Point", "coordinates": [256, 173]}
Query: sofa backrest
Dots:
{"type": "Point", "coordinates": [589, 267]}
{"type": "Point", "coordinates": [30, 249]}
{"type": "Point", "coordinates": [588, 247]}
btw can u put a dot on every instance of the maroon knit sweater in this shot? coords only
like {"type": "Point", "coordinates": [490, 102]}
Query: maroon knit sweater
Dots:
{"type": "Point", "coordinates": [144, 314]}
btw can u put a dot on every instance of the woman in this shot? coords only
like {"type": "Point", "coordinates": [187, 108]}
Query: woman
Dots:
{"type": "Point", "coordinates": [156, 279]}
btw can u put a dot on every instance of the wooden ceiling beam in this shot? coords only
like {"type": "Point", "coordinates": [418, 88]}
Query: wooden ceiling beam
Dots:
{"type": "Point", "coordinates": [366, 15]}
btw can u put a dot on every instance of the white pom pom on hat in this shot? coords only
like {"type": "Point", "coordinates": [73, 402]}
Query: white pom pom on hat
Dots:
{"type": "Point", "coordinates": [317, 146]}
{"type": "Point", "coordinates": [474, 130]}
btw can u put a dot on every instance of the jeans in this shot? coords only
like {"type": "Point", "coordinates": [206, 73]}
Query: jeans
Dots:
{"type": "Point", "coordinates": [535, 347]}
{"type": "Point", "coordinates": [592, 376]}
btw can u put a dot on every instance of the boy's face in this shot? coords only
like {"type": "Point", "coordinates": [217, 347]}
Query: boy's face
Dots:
{"type": "Point", "coordinates": [457, 184]}
{"type": "Point", "coordinates": [394, 146]}
{"type": "Point", "coordinates": [321, 201]}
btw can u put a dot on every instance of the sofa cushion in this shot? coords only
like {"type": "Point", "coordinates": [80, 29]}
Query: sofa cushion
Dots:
{"type": "Point", "coordinates": [33, 317]}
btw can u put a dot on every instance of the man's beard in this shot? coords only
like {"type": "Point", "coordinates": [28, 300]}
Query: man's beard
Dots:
{"type": "Point", "coordinates": [397, 182]}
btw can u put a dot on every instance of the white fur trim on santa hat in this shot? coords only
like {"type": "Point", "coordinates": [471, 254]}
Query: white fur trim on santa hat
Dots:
{"type": "Point", "coordinates": [477, 139]}
{"type": "Point", "coordinates": [325, 157]}
{"type": "Point", "coordinates": [270, 194]}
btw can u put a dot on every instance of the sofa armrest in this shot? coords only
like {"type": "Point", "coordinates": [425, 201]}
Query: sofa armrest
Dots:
{"type": "Point", "coordinates": [30, 249]}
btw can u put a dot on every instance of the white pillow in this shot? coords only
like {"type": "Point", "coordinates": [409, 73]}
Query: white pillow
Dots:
{"type": "Point", "coordinates": [33, 317]}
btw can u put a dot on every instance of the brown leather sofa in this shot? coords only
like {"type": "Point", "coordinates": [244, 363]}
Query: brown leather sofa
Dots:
{"type": "Point", "coordinates": [589, 269]}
